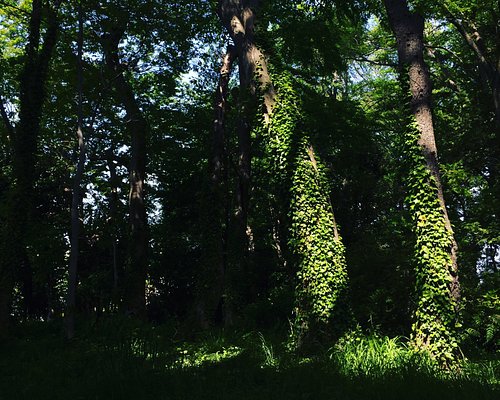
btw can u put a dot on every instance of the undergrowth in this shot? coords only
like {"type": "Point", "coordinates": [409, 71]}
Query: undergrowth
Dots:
{"type": "Point", "coordinates": [125, 360]}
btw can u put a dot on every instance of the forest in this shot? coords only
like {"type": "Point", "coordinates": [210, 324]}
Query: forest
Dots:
{"type": "Point", "coordinates": [244, 199]}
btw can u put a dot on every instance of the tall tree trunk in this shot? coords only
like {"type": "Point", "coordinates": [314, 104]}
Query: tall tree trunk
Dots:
{"type": "Point", "coordinates": [238, 18]}
{"type": "Point", "coordinates": [15, 259]}
{"type": "Point", "coordinates": [75, 201]}
{"type": "Point", "coordinates": [216, 211]}
{"type": "Point", "coordinates": [433, 322]}
{"type": "Point", "coordinates": [135, 280]}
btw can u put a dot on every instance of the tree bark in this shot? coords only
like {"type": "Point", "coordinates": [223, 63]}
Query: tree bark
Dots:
{"type": "Point", "coordinates": [238, 18]}
{"type": "Point", "coordinates": [139, 130]}
{"type": "Point", "coordinates": [75, 201]}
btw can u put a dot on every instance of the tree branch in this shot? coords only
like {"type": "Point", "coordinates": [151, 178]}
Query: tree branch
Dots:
{"type": "Point", "coordinates": [367, 60]}
{"type": "Point", "coordinates": [428, 46]}
{"type": "Point", "coordinates": [472, 43]}
{"type": "Point", "coordinates": [18, 9]}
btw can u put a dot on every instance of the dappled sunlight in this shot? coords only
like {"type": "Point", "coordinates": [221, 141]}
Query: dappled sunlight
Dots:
{"type": "Point", "coordinates": [203, 356]}
{"type": "Point", "coordinates": [249, 200]}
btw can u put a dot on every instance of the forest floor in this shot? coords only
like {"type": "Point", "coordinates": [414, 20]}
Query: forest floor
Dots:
{"type": "Point", "coordinates": [120, 360]}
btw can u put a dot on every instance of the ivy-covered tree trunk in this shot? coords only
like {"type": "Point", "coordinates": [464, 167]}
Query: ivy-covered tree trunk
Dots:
{"type": "Point", "coordinates": [321, 307]}
{"type": "Point", "coordinates": [135, 280]}
{"type": "Point", "coordinates": [322, 277]}
{"type": "Point", "coordinates": [437, 285]}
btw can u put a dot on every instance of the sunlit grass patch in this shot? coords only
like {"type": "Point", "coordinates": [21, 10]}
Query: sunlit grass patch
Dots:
{"type": "Point", "coordinates": [191, 356]}
{"type": "Point", "coordinates": [376, 356]}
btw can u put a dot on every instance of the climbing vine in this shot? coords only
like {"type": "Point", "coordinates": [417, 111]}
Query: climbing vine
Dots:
{"type": "Point", "coordinates": [321, 281]}
{"type": "Point", "coordinates": [281, 132]}
{"type": "Point", "coordinates": [322, 276]}
{"type": "Point", "coordinates": [435, 320]}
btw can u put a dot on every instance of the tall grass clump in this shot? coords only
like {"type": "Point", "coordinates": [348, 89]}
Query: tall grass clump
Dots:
{"type": "Point", "coordinates": [377, 357]}
{"type": "Point", "coordinates": [269, 356]}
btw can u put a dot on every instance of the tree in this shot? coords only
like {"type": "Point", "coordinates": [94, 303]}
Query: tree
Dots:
{"type": "Point", "coordinates": [238, 18]}
{"type": "Point", "coordinates": [138, 129]}
{"type": "Point", "coordinates": [270, 200]}
{"type": "Point", "coordinates": [321, 276]}
{"type": "Point", "coordinates": [32, 94]}
{"type": "Point", "coordinates": [470, 21]}
{"type": "Point", "coordinates": [216, 218]}
{"type": "Point", "coordinates": [436, 250]}
{"type": "Point", "coordinates": [76, 196]}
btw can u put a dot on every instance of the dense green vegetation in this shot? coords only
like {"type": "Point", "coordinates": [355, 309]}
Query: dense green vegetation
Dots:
{"type": "Point", "coordinates": [249, 199]}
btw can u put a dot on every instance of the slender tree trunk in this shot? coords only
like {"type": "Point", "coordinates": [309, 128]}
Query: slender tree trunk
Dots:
{"type": "Point", "coordinates": [216, 212]}
{"type": "Point", "coordinates": [75, 202]}
{"type": "Point", "coordinates": [489, 69]}
{"type": "Point", "coordinates": [408, 28]}
{"type": "Point", "coordinates": [137, 125]}
{"type": "Point", "coordinates": [24, 149]}
{"type": "Point", "coordinates": [113, 208]}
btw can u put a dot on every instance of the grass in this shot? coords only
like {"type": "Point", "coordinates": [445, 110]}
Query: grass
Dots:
{"type": "Point", "coordinates": [123, 360]}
